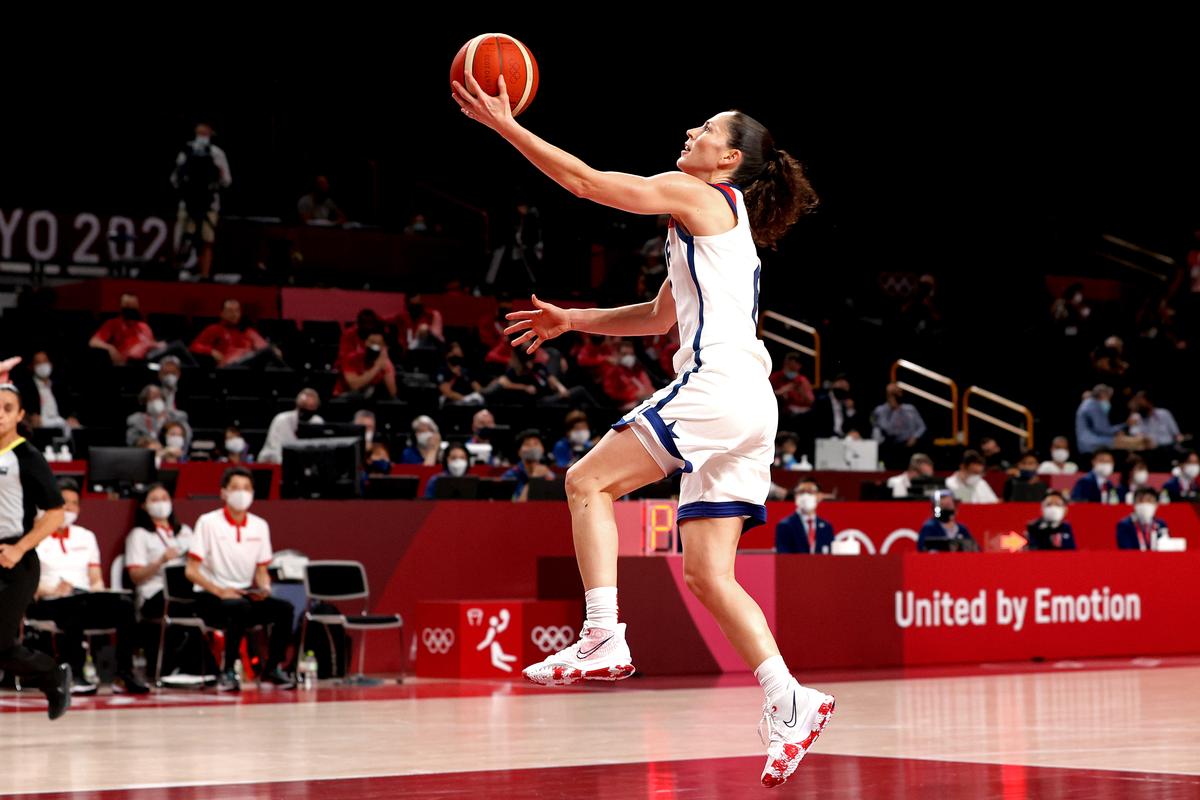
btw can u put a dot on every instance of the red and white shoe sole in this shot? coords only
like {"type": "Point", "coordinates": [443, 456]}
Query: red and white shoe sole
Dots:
{"type": "Point", "coordinates": [779, 770]}
{"type": "Point", "coordinates": [566, 676]}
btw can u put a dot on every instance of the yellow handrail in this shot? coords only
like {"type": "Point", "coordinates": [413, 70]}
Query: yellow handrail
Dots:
{"type": "Point", "coordinates": [951, 404]}
{"type": "Point", "coordinates": [1026, 433]}
{"type": "Point", "coordinates": [814, 351]}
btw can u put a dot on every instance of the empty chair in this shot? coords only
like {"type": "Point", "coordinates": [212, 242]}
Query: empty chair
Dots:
{"type": "Point", "coordinates": [337, 581]}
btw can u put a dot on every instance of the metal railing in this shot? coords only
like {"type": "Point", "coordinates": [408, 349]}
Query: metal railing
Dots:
{"type": "Point", "coordinates": [812, 350]}
{"type": "Point", "coordinates": [950, 404]}
{"type": "Point", "coordinates": [1025, 433]}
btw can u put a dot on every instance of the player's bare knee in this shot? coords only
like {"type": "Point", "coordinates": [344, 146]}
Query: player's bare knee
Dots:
{"type": "Point", "coordinates": [580, 485]}
{"type": "Point", "coordinates": [702, 584]}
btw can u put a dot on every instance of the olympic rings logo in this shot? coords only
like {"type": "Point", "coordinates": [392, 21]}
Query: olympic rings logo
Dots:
{"type": "Point", "coordinates": [438, 640]}
{"type": "Point", "coordinates": [550, 638]}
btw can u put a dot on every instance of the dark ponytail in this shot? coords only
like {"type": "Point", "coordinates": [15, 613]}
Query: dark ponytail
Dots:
{"type": "Point", "coordinates": [776, 190]}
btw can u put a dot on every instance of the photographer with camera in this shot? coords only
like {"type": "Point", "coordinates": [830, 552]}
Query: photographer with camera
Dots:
{"type": "Point", "coordinates": [201, 172]}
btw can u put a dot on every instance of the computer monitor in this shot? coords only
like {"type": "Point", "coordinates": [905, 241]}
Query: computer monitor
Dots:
{"type": "Point", "coordinates": [496, 488]}
{"type": "Point", "coordinates": [322, 468]}
{"type": "Point", "coordinates": [1029, 492]}
{"type": "Point", "coordinates": [125, 470]}
{"type": "Point", "coordinates": [330, 430]}
{"type": "Point", "coordinates": [923, 487]}
{"type": "Point", "coordinates": [447, 487]}
{"type": "Point", "coordinates": [542, 489]}
{"type": "Point", "coordinates": [392, 487]}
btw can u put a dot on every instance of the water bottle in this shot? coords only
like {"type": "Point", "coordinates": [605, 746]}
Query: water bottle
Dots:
{"type": "Point", "coordinates": [49, 454]}
{"type": "Point", "coordinates": [239, 672]}
{"type": "Point", "coordinates": [89, 670]}
{"type": "Point", "coordinates": [307, 671]}
{"type": "Point", "coordinates": [64, 453]}
{"type": "Point", "coordinates": [139, 666]}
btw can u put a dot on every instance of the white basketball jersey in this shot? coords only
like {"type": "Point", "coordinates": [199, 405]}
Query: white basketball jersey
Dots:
{"type": "Point", "coordinates": [714, 280]}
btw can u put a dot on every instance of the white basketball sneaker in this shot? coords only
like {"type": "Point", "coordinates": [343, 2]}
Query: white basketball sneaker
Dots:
{"type": "Point", "coordinates": [791, 728]}
{"type": "Point", "coordinates": [599, 655]}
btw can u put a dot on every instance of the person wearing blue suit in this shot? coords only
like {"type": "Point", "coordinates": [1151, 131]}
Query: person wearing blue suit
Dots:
{"type": "Point", "coordinates": [1096, 486]}
{"type": "Point", "coordinates": [942, 525]}
{"type": "Point", "coordinates": [1141, 530]}
{"type": "Point", "coordinates": [804, 531]}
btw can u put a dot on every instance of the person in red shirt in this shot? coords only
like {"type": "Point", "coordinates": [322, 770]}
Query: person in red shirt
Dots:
{"type": "Point", "coordinates": [354, 336]}
{"type": "Point", "coordinates": [126, 337]}
{"type": "Point", "coordinates": [363, 372]}
{"type": "Point", "coordinates": [230, 344]}
{"type": "Point", "coordinates": [791, 387]}
{"type": "Point", "coordinates": [627, 382]}
{"type": "Point", "coordinates": [598, 355]}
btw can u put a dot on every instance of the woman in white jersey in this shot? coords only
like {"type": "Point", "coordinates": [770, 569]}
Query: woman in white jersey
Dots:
{"type": "Point", "coordinates": [715, 422]}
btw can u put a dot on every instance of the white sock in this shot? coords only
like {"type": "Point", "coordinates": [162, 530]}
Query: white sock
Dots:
{"type": "Point", "coordinates": [602, 607]}
{"type": "Point", "coordinates": [774, 677]}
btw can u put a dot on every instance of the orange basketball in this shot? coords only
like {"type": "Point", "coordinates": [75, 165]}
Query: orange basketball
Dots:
{"type": "Point", "coordinates": [490, 54]}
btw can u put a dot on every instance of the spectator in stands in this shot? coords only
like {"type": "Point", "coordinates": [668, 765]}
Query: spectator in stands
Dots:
{"type": "Point", "coordinates": [1025, 473]}
{"type": "Point", "coordinates": [626, 383]}
{"type": "Point", "coordinates": [318, 206]}
{"type": "Point", "coordinates": [1093, 431]}
{"type": "Point", "coordinates": [427, 443]}
{"type": "Point", "coordinates": [531, 453]}
{"type": "Point", "coordinates": [175, 443]}
{"type": "Point", "coordinates": [1097, 486]}
{"type": "Point", "coordinates": [577, 441]}
{"type": "Point", "coordinates": [454, 381]}
{"type": "Point", "coordinates": [230, 344]}
{"type": "Point", "coordinates": [366, 418]}
{"type": "Point", "coordinates": [1060, 462]}
{"type": "Point", "coordinates": [1051, 531]}
{"type": "Point", "coordinates": [369, 373]}
{"type": "Point", "coordinates": [597, 353]}
{"type": "Point", "coordinates": [201, 172]}
{"type": "Point", "coordinates": [993, 456]}
{"type": "Point", "coordinates": [1109, 364]}
{"type": "Point", "coordinates": [48, 401]}
{"type": "Point", "coordinates": [1137, 476]}
{"type": "Point", "coordinates": [794, 391]}
{"type": "Point", "coordinates": [1182, 486]}
{"type": "Point", "coordinates": [354, 336]}
{"type": "Point", "coordinates": [897, 426]}
{"type": "Point", "coordinates": [481, 442]}
{"type": "Point", "coordinates": [920, 467]}
{"type": "Point", "coordinates": [283, 428]}
{"type": "Point", "coordinates": [421, 328]}
{"type": "Point", "coordinates": [227, 561]}
{"type": "Point", "coordinates": [379, 459]}
{"type": "Point", "coordinates": [662, 347]}
{"type": "Point", "coordinates": [787, 444]}
{"type": "Point", "coordinates": [1156, 424]}
{"type": "Point", "coordinates": [154, 418]}
{"type": "Point", "coordinates": [455, 461]}
{"type": "Point", "coordinates": [529, 380]}
{"type": "Point", "coordinates": [804, 531]}
{"type": "Point", "coordinates": [126, 337]}
{"type": "Point", "coordinates": [968, 484]}
{"type": "Point", "coordinates": [170, 370]}
{"type": "Point", "coordinates": [71, 593]}
{"type": "Point", "coordinates": [1142, 530]}
{"type": "Point", "coordinates": [834, 413]}
{"type": "Point", "coordinates": [235, 451]}
{"type": "Point", "coordinates": [944, 525]}
{"type": "Point", "coordinates": [1070, 311]}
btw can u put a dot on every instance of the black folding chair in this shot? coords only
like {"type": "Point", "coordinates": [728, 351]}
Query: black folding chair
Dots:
{"type": "Point", "coordinates": [333, 581]}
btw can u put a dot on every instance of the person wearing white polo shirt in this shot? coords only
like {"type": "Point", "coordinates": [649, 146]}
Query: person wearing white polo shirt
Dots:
{"type": "Point", "coordinates": [227, 562]}
{"type": "Point", "coordinates": [71, 594]}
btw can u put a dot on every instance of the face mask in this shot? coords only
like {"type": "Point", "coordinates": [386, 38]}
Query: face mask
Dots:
{"type": "Point", "coordinates": [1106, 405]}
{"type": "Point", "coordinates": [1140, 477]}
{"type": "Point", "coordinates": [176, 442]}
{"type": "Point", "coordinates": [1103, 469]}
{"type": "Point", "coordinates": [628, 361]}
{"type": "Point", "coordinates": [380, 465]}
{"type": "Point", "coordinates": [424, 438]}
{"type": "Point", "coordinates": [368, 435]}
{"type": "Point", "coordinates": [1027, 474]}
{"type": "Point", "coordinates": [1145, 512]}
{"type": "Point", "coordinates": [1054, 514]}
{"type": "Point", "coordinates": [160, 509]}
{"type": "Point", "coordinates": [156, 407]}
{"type": "Point", "coordinates": [202, 141]}
{"type": "Point", "coordinates": [806, 502]}
{"type": "Point", "coordinates": [790, 374]}
{"type": "Point", "coordinates": [532, 454]}
{"type": "Point", "coordinates": [947, 514]}
{"type": "Point", "coordinates": [239, 499]}
{"type": "Point", "coordinates": [1191, 470]}
{"type": "Point", "coordinates": [235, 444]}
{"type": "Point", "coordinates": [131, 314]}
{"type": "Point", "coordinates": [579, 436]}
{"type": "Point", "coordinates": [305, 414]}
{"type": "Point", "coordinates": [841, 394]}
{"type": "Point", "coordinates": [1060, 454]}
{"type": "Point", "coordinates": [43, 370]}
{"type": "Point", "coordinates": [170, 380]}
{"type": "Point", "coordinates": [457, 467]}
{"type": "Point", "coordinates": [69, 518]}
{"type": "Point", "coordinates": [973, 480]}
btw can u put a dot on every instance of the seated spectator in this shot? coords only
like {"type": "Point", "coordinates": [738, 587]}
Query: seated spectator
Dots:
{"type": "Point", "coordinates": [378, 460]}
{"type": "Point", "coordinates": [480, 445]}
{"type": "Point", "coordinates": [804, 531]}
{"type": "Point", "coordinates": [835, 415]}
{"type": "Point", "coordinates": [71, 593]}
{"type": "Point", "coordinates": [528, 379]}
{"type": "Point", "coordinates": [897, 426]}
{"type": "Point", "coordinates": [531, 452]}
{"type": "Point", "coordinates": [627, 383]}
{"type": "Point", "coordinates": [455, 461]}
{"type": "Point", "coordinates": [366, 418]}
{"type": "Point", "coordinates": [1142, 530]}
{"type": "Point", "coordinates": [318, 207]}
{"type": "Point", "coordinates": [126, 337]}
{"type": "Point", "coordinates": [154, 418]}
{"type": "Point", "coordinates": [170, 370]}
{"type": "Point", "coordinates": [427, 443]}
{"type": "Point", "coordinates": [227, 562]}
{"type": "Point", "coordinates": [967, 484]}
{"type": "Point", "coordinates": [231, 344]}
{"type": "Point", "coordinates": [993, 456]}
{"type": "Point", "coordinates": [1097, 486]}
{"type": "Point", "coordinates": [235, 452]}
{"type": "Point", "coordinates": [369, 373]}
{"type": "Point", "coordinates": [944, 524]}
{"type": "Point", "coordinates": [421, 328]}
{"type": "Point", "coordinates": [1051, 531]}
{"type": "Point", "coordinates": [920, 467]}
{"type": "Point", "coordinates": [283, 428]}
{"type": "Point", "coordinates": [455, 382]}
{"type": "Point", "coordinates": [1093, 431]}
{"type": "Point", "coordinates": [1060, 462]}
{"type": "Point", "coordinates": [794, 391]}
{"type": "Point", "coordinates": [175, 443]}
{"type": "Point", "coordinates": [1156, 424]}
{"type": "Point", "coordinates": [1137, 476]}
{"type": "Point", "coordinates": [787, 444]}
{"type": "Point", "coordinates": [578, 441]}
{"type": "Point", "coordinates": [354, 336]}
{"type": "Point", "coordinates": [1182, 486]}
{"type": "Point", "coordinates": [662, 347]}
{"type": "Point", "coordinates": [1024, 473]}
{"type": "Point", "coordinates": [597, 354]}
{"type": "Point", "coordinates": [48, 402]}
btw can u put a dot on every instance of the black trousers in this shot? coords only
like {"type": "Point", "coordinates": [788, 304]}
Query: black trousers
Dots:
{"type": "Point", "coordinates": [88, 611]}
{"type": "Point", "coordinates": [17, 586]}
{"type": "Point", "coordinates": [235, 616]}
{"type": "Point", "coordinates": [184, 647]}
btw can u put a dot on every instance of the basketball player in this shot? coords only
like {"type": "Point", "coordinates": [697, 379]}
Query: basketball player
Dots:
{"type": "Point", "coordinates": [715, 422]}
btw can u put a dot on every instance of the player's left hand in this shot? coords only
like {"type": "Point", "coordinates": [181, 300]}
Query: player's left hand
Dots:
{"type": "Point", "coordinates": [495, 112]}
